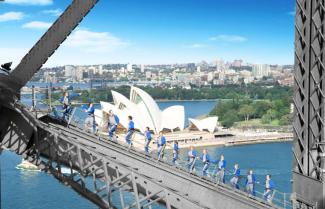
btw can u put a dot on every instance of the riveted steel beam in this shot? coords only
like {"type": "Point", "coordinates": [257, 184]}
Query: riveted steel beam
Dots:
{"type": "Point", "coordinates": [309, 94]}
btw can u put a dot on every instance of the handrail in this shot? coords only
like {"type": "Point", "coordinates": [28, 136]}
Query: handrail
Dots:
{"type": "Point", "coordinates": [285, 203]}
{"type": "Point", "coordinates": [180, 163]}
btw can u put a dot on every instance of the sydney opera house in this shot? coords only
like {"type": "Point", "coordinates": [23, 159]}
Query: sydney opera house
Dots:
{"type": "Point", "coordinates": [146, 113]}
{"type": "Point", "coordinates": [144, 110]}
{"type": "Point", "coordinates": [209, 124]}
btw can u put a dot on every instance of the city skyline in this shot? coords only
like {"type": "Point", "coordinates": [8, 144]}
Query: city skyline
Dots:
{"type": "Point", "coordinates": [182, 75]}
{"type": "Point", "coordinates": [155, 33]}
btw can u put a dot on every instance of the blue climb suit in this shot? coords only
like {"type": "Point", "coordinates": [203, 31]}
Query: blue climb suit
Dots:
{"type": "Point", "coordinates": [250, 184]}
{"type": "Point", "coordinates": [147, 134]}
{"type": "Point", "coordinates": [175, 152]}
{"type": "Point", "coordinates": [234, 180]}
{"type": "Point", "coordinates": [112, 125]}
{"type": "Point", "coordinates": [269, 187]}
{"type": "Point", "coordinates": [191, 157]}
{"type": "Point", "coordinates": [221, 170]}
{"type": "Point", "coordinates": [91, 114]}
{"type": "Point", "coordinates": [129, 133]}
{"type": "Point", "coordinates": [161, 143]}
{"type": "Point", "coordinates": [66, 104]}
{"type": "Point", "coordinates": [206, 162]}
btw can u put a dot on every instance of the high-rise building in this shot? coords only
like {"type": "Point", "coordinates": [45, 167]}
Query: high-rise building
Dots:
{"type": "Point", "coordinates": [142, 68]}
{"type": "Point", "coordinates": [129, 67]}
{"type": "Point", "coordinates": [69, 70]}
{"type": "Point", "coordinates": [79, 73]}
{"type": "Point", "coordinates": [261, 70]}
{"type": "Point", "coordinates": [219, 64]}
{"type": "Point", "coordinates": [49, 77]}
{"type": "Point", "coordinates": [148, 74]}
{"type": "Point", "coordinates": [198, 69]}
{"type": "Point", "coordinates": [100, 69]}
{"type": "Point", "coordinates": [237, 63]}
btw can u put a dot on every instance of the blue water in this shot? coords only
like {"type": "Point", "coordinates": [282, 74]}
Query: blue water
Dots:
{"type": "Point", "coordinates": [271, 158]}
{"type": "Point", "coordinates": [34, 190]}
{"type": "Point", "coordinates": [38, 190]}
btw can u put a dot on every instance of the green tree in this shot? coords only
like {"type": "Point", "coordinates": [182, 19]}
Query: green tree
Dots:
{"type": "Point", "coordinates": [232, 95]}
{"type": "Point", "coordinates": [230, 117]}
{"type": "Point", "coordinates": [246, 111]}
{"type": "Point", "coordinates": [261, 107]}
{"type": "Point", "coordinates": [285, 120]}
{"type": "Point", "coordinates": [269, 116]}
{"type": "Point", "coordinates": [220, 109]}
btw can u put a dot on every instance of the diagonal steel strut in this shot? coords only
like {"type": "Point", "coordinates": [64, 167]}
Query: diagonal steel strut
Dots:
{"type": "Point", "coordinates": [50, 41]}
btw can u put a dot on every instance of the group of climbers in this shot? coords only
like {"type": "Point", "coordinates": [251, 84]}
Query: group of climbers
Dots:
{"type": "Point", "coordinates": [113, 120]}
{"type": "Point", "coordinates": [192, 155]}
{"type": "Point", "coordinates": [67, 109]}
{"type": "Point", "coordinates": [220, 169]}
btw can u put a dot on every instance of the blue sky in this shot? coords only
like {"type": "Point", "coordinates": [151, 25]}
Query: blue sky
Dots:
{"type": "Point", "coordinates": [156, 31]}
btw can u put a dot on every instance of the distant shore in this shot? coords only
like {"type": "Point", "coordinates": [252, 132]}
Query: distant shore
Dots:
{"type": "Point", "coordinates": [162, 100]}
{"type": "Point", "coordinates": [204, 139]}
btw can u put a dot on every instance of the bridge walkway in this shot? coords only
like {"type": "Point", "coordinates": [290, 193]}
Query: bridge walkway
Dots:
{"type": "Point", "coordinates": [153, 158]}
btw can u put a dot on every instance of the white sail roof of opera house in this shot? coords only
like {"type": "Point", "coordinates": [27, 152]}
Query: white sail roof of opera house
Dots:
{"type": "Point", "coordinates": [207, 124]}
{"type": "Point", "coordinates": [145, 111]}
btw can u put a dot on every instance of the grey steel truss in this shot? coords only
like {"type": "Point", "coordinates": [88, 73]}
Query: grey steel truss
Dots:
{"type": "Point", "coordinates": [49, 42]}
{"type": "Point", "coordinates": [101, 169]}
{"type": "Point", "coordinates": [308, 124]}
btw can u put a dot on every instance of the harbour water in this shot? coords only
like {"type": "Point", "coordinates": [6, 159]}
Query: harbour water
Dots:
{"type": "Point", "coordinates": [38, 190]}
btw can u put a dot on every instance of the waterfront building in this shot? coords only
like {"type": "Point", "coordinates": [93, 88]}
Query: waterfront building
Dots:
{"type": "Point", "coordinates": [209, 124]}
{"type": "Point", "coordinates": [49, 77]}
{"type": "Point", "coordinates": [144, 110]}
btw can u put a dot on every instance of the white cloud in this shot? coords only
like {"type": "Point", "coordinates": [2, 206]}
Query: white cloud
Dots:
{"type": "Point", "coordinates": [53, 12]}
{"type": "Point", "coordinates": [30, 2]}
{"type": "Point", "coordinates": [37, 25]}
{"type": "Point", "coordinates": [12, 54]}
{"type": "Point", "coordinates": [292, 12]}
{"type": "Point", "coordinates": [229, 38]}
{"type": "Point", "coordinates": [9, 16]}
{"type": "Point", "coordinates": [84, 46]}
{"type": "Point", "coordinates": [196, 46]}
{"type": "Point", "coordinates": [90, 41]}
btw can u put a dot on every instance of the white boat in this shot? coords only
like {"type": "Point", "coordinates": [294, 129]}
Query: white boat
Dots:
{"type": "Point", "coordinates": [25, 165]}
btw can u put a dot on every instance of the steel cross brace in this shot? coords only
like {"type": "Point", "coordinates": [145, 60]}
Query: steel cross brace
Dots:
{"type": "Point", "coordinates": [116, 177]}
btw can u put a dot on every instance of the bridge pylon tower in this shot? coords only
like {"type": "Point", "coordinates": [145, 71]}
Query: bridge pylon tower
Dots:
{"type": "Point", "coordinates": [309, 103]}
